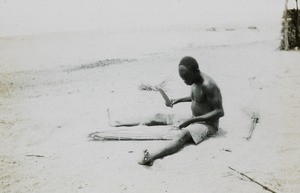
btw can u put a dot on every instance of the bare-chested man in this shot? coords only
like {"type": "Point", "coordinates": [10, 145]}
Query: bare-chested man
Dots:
{"type": "Point", "coordinates": [206, 108]}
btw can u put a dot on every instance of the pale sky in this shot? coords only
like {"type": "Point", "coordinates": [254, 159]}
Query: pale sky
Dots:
{"type": "Point", "coordinates": [43, 16]}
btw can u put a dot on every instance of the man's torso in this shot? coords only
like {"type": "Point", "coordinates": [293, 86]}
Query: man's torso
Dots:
{"type": "Point", "coordinates": [200, 105]}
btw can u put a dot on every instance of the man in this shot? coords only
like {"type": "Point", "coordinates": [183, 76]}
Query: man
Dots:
{"type": "Point", "coordinates": [206, 108]}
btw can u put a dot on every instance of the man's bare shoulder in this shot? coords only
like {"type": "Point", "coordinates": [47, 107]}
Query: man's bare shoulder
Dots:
{"type": "Point", "coordinates": [209, 84]}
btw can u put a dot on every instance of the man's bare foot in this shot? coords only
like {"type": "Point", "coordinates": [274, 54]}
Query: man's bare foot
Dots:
{"type": "Point", "coordinates": [146, 160]}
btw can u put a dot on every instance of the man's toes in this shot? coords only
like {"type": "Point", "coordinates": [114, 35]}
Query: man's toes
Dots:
{"type": "Point", "coordinates": [145, 160]}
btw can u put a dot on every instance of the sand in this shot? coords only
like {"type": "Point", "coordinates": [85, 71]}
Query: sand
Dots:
{"type": "Point", "coordinates": [56, 88]}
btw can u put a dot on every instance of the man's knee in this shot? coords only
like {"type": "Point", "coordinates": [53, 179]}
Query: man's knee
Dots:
{"type": "Point", "coordinates": [157, 118]}
{"type": "Point", "coordinates": [184, 136]}
{"type": "Point", "coordinates": [162, 119]}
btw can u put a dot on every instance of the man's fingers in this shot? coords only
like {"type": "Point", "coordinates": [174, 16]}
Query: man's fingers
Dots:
{"type": "Point", "coordinates": [172, 102]}
{"type": "Point", "coordinates": [169, 104]}
{"type": "Point", "coordinates": [175, 127]}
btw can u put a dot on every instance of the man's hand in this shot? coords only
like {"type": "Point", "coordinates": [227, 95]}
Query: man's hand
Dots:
{"type": "Point", "coordinates": [172, 102]}
{"type": "Point", "coordinates": [175, 127]}
{"type": "Point", "coordinates": [184, 124]}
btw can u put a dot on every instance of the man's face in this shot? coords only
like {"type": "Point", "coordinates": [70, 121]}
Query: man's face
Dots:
{"type": "Point", "coordinates": [187, 76]}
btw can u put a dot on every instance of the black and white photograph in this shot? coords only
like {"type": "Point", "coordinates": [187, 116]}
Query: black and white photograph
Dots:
{"type": "Point", "coordinates": [140, 96]}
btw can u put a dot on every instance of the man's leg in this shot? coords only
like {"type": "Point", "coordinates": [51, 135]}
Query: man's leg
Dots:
{"type": "Point", "coordinates": [171, 148]}
{"type": "Point", "coordinates": [157, 119]}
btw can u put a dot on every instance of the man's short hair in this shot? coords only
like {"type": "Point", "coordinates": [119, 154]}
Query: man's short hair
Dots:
{"type": "Point", "coordinates": [190, 63]}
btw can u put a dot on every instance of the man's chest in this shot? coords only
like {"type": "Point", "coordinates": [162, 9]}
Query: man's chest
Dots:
{"type": "Point", "coordinates": [198, 94]}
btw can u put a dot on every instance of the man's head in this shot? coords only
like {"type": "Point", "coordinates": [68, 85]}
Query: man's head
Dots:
{"type": "Point", "coordinates": [189, 70]}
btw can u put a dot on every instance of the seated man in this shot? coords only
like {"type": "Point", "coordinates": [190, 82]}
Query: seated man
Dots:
{"type": "Point", "coordinates": [206, 105]}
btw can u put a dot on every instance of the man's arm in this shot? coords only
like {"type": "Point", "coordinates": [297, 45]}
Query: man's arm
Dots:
{"type": "Point", "coordinates": [214, 98]}
{"type": "Point", "coordinates": [180, 100]}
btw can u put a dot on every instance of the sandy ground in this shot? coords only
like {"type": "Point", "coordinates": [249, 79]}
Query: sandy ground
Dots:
{"type": "Point", "coordinates": [48, 110]}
